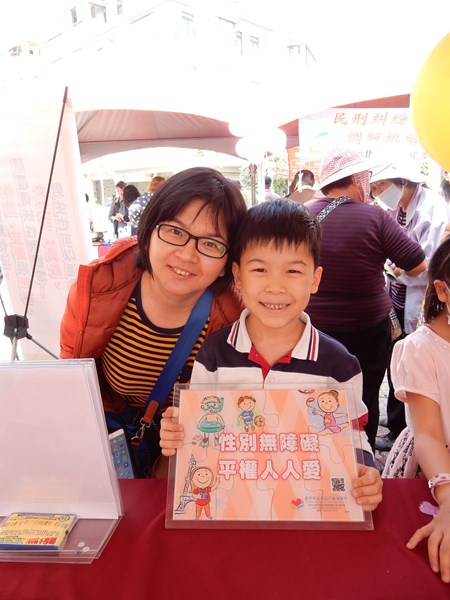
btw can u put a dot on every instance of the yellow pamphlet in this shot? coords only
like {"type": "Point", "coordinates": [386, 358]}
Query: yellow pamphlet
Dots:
{"type": "Point", "coordinates": [39, 531]}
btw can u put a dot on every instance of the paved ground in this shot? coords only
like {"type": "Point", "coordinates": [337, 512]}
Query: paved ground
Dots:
{"type": "Point", "coordinates": [383, 430]}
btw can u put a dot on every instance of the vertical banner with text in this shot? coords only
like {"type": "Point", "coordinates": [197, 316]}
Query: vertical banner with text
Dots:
{"type": "Point", "coordinates": [28, 133]}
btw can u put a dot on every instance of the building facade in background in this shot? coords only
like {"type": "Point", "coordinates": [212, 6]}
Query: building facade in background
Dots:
{"type": "Point", "coordinates": [229, 40]}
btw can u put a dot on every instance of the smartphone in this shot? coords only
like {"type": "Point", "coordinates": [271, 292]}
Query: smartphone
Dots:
{"type": "Point", "coordinates": [121, 454]}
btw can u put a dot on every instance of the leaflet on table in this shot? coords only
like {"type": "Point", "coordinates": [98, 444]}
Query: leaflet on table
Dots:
{"type": "Point", "coordinates": [249, 455]}
{"type": "Point", "coordinates": [38, 531]}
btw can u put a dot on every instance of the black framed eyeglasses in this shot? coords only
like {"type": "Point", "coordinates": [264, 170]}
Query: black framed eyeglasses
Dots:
{"type": "Point", "coordinates": [171, 234]}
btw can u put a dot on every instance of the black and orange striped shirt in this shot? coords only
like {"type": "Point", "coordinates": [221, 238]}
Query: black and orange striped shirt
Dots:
{"type": "Point", "coordinates": [137, 352]}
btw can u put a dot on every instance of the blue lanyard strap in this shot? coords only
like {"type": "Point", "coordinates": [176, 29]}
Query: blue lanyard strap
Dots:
{"type": "Point", "coordinates": [176, 361]}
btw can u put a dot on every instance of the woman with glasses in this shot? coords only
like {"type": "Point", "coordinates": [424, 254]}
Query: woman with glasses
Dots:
{"type": "Point", "coordinates": [128, 308]}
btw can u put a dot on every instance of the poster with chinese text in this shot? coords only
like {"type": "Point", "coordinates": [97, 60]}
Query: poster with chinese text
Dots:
{"type": "Point", "coordinates": [284, 458]}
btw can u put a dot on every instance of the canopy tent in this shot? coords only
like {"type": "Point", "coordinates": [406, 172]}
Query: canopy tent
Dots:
{"type": "Point", "coordinates": [181, 107]}
{"type": "Point", "coordinates": [193, 108]}
{"type": "Point", "coordinates": [102, 132]}
{"type": "Point", "coordinates": [199, 119]}
{"type": "Point", "coordinates": [401, 101]}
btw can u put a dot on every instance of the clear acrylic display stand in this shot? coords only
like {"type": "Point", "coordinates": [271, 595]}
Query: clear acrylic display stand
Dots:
{"type": "Point", "coordinates": [56, 456]}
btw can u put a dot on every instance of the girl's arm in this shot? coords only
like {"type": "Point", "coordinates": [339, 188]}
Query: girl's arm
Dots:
{"type": "Point", "coordinates": [434, 458]}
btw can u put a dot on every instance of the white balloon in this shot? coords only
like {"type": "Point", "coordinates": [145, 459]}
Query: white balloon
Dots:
{"type": "Point", "coordinates": [275, 141]}
{"type": "Point", "coordinates": [247, 122]}
{"type": "Point", "coordinates": [238, 127]}
{"type": "Point", "coordinates": [251, 149]}
{"type": "Point", "coordinates": [267, 139]}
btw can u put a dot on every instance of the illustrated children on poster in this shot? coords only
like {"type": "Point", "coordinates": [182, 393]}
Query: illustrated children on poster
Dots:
{"type": "Point", "coordinates": [328, 405]}
{"type": "Point", "coordinates": [248, 418]}
{"type": "Point", "coordinates": [265, 455]}
{"type": "Point", "coordinates": [202, 484]}
{"type": "Point", "coordinates": [211, 422]}
{"type": "Point", "coordinates": [246, 405]}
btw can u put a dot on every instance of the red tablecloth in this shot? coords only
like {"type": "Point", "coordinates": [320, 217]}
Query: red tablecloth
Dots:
{"type": "Point", "coordinates": [145, 560]}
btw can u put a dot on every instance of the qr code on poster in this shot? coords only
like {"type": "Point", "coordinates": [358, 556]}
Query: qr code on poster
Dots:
{"type": "Point", "coordinates": [337, 484]}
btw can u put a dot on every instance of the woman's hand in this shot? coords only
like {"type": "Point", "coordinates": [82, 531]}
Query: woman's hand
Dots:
{"type": "Point", "coordinates": [367, 487]}
{"type": "Point", "coordinates": [172, 433]}
{"type": "Point", "coordinates": [438, 534]}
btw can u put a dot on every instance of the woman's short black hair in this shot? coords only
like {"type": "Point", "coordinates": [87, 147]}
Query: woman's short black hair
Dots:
{"type": "Point", "coordinates": [279, 222]}
{"type": "Point", "coordinates": [130, 193]}
{"type": "Point", "coordinates": [438, 268]}
{"type": "Point", "coordinates": [220, 196]}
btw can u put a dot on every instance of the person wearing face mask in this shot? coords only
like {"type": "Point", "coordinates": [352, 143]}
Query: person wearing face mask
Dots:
{"type": "Point", "coordinates": [352, 304]}
{"type": "Point", "coordinates": [423, 215]}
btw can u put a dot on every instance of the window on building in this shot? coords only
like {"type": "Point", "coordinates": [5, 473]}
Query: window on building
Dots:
{"type": "Point", "coordinates": [254, 42]}
{"type": "Point", "coordinates": [98, 11]}
{"type": "Point", "coordinates": [15, 51]}
{"type": "Point", "coordinates": [226, 39]}
{"type": "Point", "coordinates": [34, 49]}
{"type": "Point", "coordinates": [226, 26]}
{"type": "Point", "coordinates": [188, 25]}
{"type": "Point", "coordinates": [302, 51]}
{"type": "Point", "coordinates": [238, 41]}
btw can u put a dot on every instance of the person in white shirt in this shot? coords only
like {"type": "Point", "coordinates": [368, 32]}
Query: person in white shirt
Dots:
{"type": "Point", "coordinates": [423, 214]}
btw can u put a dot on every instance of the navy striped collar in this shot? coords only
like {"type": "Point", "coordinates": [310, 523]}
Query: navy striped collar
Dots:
{"type": "Point", "coordinates": [307, 348]}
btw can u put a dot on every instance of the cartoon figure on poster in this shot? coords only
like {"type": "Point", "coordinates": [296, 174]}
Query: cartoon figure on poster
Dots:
{"type": "Point", "coordinates": [186, 496]}
{"type": "Point", "coordinates": [202, 484]}
{"type": "Point", "coordinates": [248, 417]}
{"type": "Point", "coordinates": [211, 423]}
{"type": "Point", "coordinates": [326, 407]}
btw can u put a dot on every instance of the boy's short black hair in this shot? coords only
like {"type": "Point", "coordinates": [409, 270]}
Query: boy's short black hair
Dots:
{"type": "Point", "coordinates": [279, 222]}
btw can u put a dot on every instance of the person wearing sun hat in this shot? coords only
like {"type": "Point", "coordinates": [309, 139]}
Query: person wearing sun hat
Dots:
{"type": "Point", "coordinates": [352, 304]}
{"type": "Point", "coordinates": [423, 214]}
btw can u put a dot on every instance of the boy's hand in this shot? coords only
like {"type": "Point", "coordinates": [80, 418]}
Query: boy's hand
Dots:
{"type": "Point", "coordinates": [367, 487]}
{"type": "Point", "coordinates": [172, 433]}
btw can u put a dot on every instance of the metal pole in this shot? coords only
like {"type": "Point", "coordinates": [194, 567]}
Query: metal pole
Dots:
{"type": "Point", "coordinates": [253, 170]}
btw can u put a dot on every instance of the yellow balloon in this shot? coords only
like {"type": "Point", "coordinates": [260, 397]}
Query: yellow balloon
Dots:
{"type": "Point", "coordinates": [430, 104]}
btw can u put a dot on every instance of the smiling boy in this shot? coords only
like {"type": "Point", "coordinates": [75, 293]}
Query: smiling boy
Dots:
{"type": "Point", "coordinates": [276, 268]}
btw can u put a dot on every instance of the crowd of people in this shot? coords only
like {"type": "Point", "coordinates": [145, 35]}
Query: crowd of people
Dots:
{"type": "Point", "coordinates": [128, 205]}
{"type": "Point", "coordinates": [254, 286]}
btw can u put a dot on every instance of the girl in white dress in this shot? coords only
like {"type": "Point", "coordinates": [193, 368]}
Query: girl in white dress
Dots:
{"type": "Point", "coordinates": [421, 376]}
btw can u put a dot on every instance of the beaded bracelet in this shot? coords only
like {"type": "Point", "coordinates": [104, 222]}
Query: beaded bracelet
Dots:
{"type": "Point", "coordinates": [438, 479]}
